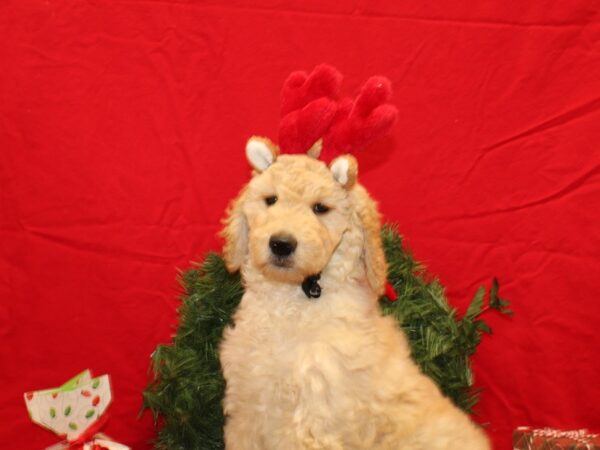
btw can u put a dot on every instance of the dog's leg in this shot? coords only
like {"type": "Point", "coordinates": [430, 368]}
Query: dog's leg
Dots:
{"type": "Point", "coordinates": [452, 430]}
{"type": "Point", "coordinates": [241, 434]}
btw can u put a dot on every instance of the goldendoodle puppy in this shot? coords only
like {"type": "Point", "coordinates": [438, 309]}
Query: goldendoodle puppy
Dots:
{"type": "Point", "coordinates": [310, 362]}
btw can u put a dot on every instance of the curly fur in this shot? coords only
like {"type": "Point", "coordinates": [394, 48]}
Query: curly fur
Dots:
{"type": "Point", "coordinates": [330, 373]}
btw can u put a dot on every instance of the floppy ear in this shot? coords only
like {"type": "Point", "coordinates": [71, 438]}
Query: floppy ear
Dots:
{"type": "Point", "coordinates": [235, 234]}
{"type": "Point", "coordinates": [344, 170]}
{"type": "Point", "coordinates": [373, 256]}
{"type": "Point", "coordinates": [261, 152]}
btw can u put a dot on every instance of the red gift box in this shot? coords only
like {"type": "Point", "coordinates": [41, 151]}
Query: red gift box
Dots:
{"type": "Point", "coordinates": [528, 438]}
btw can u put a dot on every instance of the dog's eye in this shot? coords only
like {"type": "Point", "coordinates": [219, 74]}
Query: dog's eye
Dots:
{"type": "Point", "coordinates": [320, 208]}
{"type": "Point", "coordinates": [271, 200]}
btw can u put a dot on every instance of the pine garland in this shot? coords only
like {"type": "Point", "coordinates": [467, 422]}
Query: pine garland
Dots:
{"type": "Point", "coordinates": [188, 386]}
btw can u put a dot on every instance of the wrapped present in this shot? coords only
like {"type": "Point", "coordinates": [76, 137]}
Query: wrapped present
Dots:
{"type": "Point", "coordinates": [98, 442]}
{"type": "Point", "coordinates": [528, 438]}
{"type": "Point", "coordinates": [76, 411]}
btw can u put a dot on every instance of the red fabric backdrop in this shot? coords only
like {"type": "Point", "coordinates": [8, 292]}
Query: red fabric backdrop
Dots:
{"type": "Point", "coordinates": [122, 127]}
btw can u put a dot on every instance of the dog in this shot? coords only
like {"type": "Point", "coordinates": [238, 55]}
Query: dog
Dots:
{"type": "Point", "coordinates": [310, 363]}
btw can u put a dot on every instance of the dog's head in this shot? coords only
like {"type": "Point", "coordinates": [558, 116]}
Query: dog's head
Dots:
{"type": "Point", "coordinates": [296, 213]}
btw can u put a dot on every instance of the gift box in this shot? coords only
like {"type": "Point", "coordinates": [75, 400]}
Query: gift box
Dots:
{"type": "Point", "coordinates": [528, 438]}
{"type": "Point", "coordinates": [76, 411]}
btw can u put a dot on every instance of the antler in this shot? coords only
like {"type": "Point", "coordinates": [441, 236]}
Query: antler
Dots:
{"type": "Point", "coordinates": [308, 106]}
{"type": "Point", "coordinates": [358, 123]}
{"type": "Point", "coordinates": [310, 111]}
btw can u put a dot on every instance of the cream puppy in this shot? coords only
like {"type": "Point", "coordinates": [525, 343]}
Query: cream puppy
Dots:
{"type": "Point", "coordinates": [310, 362]}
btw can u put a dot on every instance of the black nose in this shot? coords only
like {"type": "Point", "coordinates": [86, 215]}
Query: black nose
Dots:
{"type": "Point", "coordinates": [282, 244]}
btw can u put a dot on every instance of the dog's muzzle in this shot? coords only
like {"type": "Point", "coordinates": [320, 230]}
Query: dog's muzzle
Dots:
{"type": "Point", "coordinates": [282, 245]}
{"type": "Point", "coordinates": [282, 248]}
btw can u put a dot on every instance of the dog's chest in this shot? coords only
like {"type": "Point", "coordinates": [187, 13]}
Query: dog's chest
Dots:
{"type": "Point", "coordinates": [274, 338]}
{"type": "Point", "coordinates": [306, 366]}
{"type": "Point", "coordinates": [292, 348]}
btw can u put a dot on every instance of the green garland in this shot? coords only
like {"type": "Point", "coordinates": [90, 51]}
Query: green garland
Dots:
{"type": "Point", "coordinates": [188, 387]}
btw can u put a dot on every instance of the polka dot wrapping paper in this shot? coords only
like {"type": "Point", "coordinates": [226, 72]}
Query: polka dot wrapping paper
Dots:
{"type": "Point", "coordinates": [76, 410]}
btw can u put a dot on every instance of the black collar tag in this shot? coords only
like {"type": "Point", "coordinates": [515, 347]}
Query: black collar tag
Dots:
{"type": "Point", "coordinates": [311, 287]}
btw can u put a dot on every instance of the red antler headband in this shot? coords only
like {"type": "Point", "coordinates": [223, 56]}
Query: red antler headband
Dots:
{"type": "Point", "coordinates": [313, 117]}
